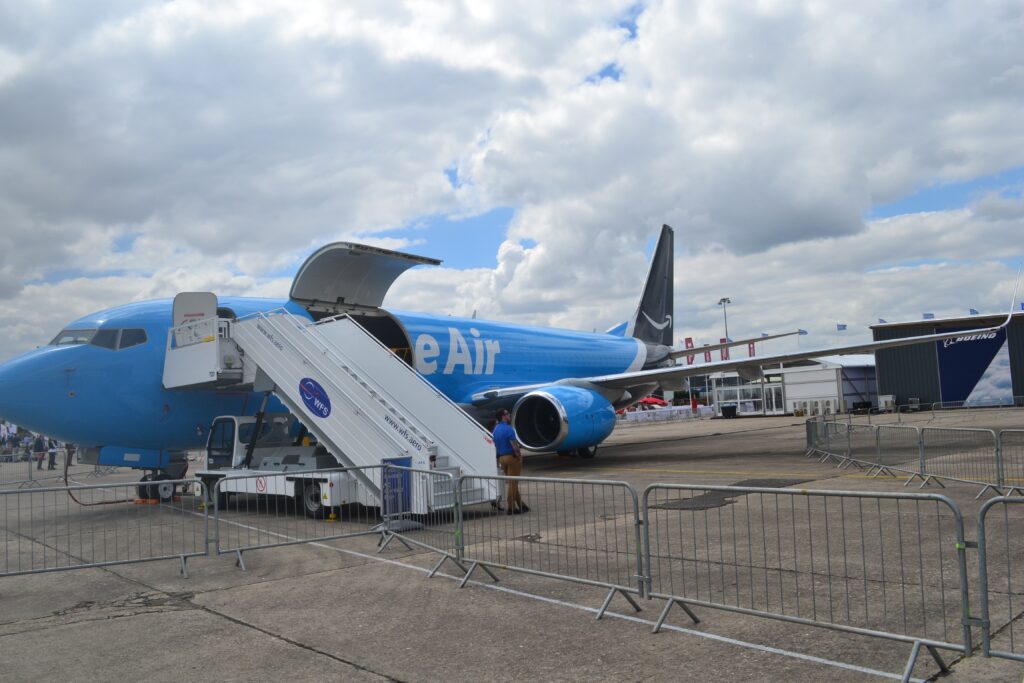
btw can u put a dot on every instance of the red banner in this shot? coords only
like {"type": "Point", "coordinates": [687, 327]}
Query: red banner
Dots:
{"type": "Point", "coordinates": [724, 353]}
{"type": "Point", "coordinates": [689, 345]}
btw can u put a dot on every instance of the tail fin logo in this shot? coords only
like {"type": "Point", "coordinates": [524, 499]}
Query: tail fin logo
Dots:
{"type": "Point", "coordinates": [658, 326]}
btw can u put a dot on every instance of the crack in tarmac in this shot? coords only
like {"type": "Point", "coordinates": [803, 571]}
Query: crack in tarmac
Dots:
{"type": "Point", "coordinates": [169, 598]}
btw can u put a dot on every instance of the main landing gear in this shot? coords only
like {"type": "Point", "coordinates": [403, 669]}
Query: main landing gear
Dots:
{"type": "Point", "coordinates": [585, 452]}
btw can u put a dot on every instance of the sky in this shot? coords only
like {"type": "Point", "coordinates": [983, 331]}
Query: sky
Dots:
{"type": "Point", "coordinates": [821, 163]}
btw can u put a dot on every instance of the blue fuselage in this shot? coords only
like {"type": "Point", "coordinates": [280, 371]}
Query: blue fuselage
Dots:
{"type": "Point", "coordinates": [95, 395]}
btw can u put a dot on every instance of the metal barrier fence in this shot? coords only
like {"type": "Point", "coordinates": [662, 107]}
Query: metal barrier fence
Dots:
{"type": "Point", "coordinates": [980, 403]}
{"type": "Point", "coordinates": [1011, 453]}
{"type": "Point", "coordinates": [258, 511]}
{"type": "Point", "coordinates": [54, 529]}
{"type": "Point", "coordinates": [969, 455]}
{"type": "Point", "coordinates": [861, 443]}
{"type": "Point", "coordinates": [580, 530]}
{"type": "Point", "coordinates": [430, 515]}
{"type": "Point", "coordinates": [267, 511]}
{"type": "Point", "coordinates": [890, 565]}
{"type": "Point", "coordinates": [28, 472]}
{"type": "Point", "coordinates": [879, 564]}
{"type": "Point", "coordinates": [984, 457]}
{"type": "Point", "coordinates": [1001, 581]}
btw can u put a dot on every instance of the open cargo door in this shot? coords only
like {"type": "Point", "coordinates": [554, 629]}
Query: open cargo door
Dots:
{"type": "Point", "coordinates": [349, 278]}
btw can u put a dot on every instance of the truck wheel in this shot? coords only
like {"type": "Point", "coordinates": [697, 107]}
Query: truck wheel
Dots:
{"type": "Point", "coordinates": [146, 491]}
{"type": "Point", "coordinates": [310, 501]}
{"type": "Point", "coordinates": [163, 489]}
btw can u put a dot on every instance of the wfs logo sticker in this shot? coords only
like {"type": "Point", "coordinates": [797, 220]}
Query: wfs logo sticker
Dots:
{"type": "Point", "coordinates": [314, 396]}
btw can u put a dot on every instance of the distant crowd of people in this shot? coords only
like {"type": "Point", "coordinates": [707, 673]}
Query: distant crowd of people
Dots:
{"type": "Point", "coordinates": [20, 444]}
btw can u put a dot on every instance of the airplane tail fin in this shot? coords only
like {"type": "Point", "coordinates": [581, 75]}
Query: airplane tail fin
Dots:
{"type": "Point", "coordinates": [652, 321]}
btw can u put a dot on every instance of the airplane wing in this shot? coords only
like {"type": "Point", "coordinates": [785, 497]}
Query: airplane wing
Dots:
{"type": "Point", "coordinates": [679, 353]}
{"type": "Point", "coordinates": [747, 367]}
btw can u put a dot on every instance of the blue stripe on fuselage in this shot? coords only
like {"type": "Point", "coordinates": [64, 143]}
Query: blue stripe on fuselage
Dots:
{"type": "Point", "coordinates": [464, 356]}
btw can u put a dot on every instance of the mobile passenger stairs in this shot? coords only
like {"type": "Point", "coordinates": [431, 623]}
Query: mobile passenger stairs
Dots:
{"type": "Point", "coordinates": [367, 408]}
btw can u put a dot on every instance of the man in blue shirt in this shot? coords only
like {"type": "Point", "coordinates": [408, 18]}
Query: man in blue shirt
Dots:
{"type": "Point", "coordinates": [510, 459]}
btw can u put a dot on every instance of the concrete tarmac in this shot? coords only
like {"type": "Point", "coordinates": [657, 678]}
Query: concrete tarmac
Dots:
{"type": "Point", "coordinates": [339, 610]}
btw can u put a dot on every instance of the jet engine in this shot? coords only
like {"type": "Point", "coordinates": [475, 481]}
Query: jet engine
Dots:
{"type": "Point", "coordinates": [559, 418]}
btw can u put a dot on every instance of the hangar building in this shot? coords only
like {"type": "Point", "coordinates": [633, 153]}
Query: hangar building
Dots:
{"type": "Point", "coordinates": [971, 369]}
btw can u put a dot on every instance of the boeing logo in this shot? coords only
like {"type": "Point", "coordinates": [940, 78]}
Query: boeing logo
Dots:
{"type": "Point", "coordinates": [946, 343]}
{"type": "Point", "coordinates": [658, 326]}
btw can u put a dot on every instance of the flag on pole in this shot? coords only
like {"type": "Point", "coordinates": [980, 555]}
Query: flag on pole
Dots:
{"type": "Point", "coordinates": [972, 311]}
{"type": "Point", "coordinates": [928, 316]}
{"type": "Point", "coordinates": [802, 332]}
{"type": "Point", "coordinates": [840, 327]}
{"type": "Point", "coordinates": [882, 321]}
{"type": "Point", "coordinates": [764, 334]}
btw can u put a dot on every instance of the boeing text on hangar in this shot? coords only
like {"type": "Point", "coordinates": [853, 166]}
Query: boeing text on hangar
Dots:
{"type": "Point", "coordinates": [946, 343]}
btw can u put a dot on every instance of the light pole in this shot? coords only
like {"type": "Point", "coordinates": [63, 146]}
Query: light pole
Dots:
{"type": "Point", "coordinates": [724, 303]}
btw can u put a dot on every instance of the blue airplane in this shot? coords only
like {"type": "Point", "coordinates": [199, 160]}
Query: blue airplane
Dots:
{"type": "Point", "coordinates": [98, 383]}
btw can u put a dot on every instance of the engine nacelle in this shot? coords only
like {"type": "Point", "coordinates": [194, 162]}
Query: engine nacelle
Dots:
{"type": "Point", "coordinates": [560, 417]}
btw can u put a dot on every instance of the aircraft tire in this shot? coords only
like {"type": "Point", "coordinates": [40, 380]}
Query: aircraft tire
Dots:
{"type": "Point", "coordinates": [310, 502]}
{"type": "Point", "coordinates": [147, 491]}
{"type": "Point", "coordinates": [162, 490]}
{"type": "Point", "coordinates": [586, 452]}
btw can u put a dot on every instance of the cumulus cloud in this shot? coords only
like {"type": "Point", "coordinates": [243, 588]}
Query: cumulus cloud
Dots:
{"type": "Point", "coordinates": [147, 148]}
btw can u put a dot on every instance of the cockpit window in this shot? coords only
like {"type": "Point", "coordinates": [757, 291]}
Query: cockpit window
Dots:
{"type": "Point", "coordinates": [106, 339]}
{"type": "Point", "coordinates": [132, 336]}
{"type": "Point", "coordinates": [69, 337]}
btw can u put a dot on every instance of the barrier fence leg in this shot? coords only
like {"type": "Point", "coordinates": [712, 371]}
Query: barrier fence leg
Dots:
{"type": "Point", "coordinates": [914, 652]}
{"type": "Point", "coordinates": [985, 488]}
{"type": "Point", "coordinates": [472, 568]}
{"type": "Point", "coordinates": [668, 606]}
{"type": "Point", "coordinates": [385, 541]}
{"type": "Point", "coordinates": [608, 600]}
{"type": "Point", "coordinates": [239, 562]}
{"type": "Point", "coordinates": [441, 562]}
{"type": "Point", "coordinates": [910, 662]}
{"type": "Point", "coordinates": [184, 567]}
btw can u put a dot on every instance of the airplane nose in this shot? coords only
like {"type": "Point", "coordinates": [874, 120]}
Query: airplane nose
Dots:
{"type": "Point", "coordinates": [25, 385]}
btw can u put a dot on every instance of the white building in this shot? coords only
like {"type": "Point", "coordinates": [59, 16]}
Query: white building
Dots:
{"type": "Point", "coordinates": [831, 384]}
